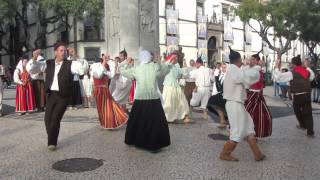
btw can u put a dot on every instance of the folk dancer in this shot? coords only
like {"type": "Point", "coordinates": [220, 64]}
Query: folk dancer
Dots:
{"type": "Point", "coordinates": [241, 123]}
{"type": "Point", "coordinates": [300, 78]}
{"type": "Point", "coordinates": [147, 126]}
{"type": "Point", "coordinates": [37, 77]}
{"type": "Point", "coordinates": [190, 84]}
{"type": "Point", "coordinates": [122, 84]}
{"type": "Point", "coordinates": [25, 96]}
{"type": "Point", "coordinates": [216, 103]}
{"type": "Point", "coordinates": [175, 104]}
{"type": "Point", "coordinates": [201, 94]}
{"type": "Point", "coordinates": [111, 114]}
{"type": "Point", "coordinates": [59, 82]}
{"type": "Point", "coordinates": [256, 104]}
{"type": "Point", "coordinates": [76, 98]}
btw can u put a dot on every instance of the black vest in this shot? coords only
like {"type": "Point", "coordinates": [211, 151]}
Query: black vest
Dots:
{"type": "Point", "coordinates": [65, 77]}
{"type": "Point", "coordinates": [299, 84]}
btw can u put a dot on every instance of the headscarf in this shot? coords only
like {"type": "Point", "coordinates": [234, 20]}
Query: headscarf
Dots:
{"type": "Point", "coordinates": [144, 56]}
{"type": "Point", "coordinates": [20, 65]}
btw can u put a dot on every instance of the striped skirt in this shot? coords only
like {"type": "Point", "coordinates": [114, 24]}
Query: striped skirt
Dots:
{"type": "Point", "coordinates": [261, 115]}
{"type": "Point", "coordinates": [111, 114]}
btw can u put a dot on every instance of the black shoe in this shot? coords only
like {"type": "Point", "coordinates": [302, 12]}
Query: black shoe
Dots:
{"type": "Point", "coordinates": [300, 127]}
{"type": "Point", "coordinates": [311, 135]}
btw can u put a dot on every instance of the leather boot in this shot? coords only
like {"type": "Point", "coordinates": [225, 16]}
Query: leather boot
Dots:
{"type": "Point", "coordinates": [258, 156]}
{"type": "Point", "coordinates": [228, 147]}
{"type": "Point", "coordinates": [205, 114]}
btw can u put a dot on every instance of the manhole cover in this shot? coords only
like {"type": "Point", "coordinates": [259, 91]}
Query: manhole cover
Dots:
{"type": "Point", "coordinates": [221, 137]}
{"type": "Point", "coordinates": [77, 165]}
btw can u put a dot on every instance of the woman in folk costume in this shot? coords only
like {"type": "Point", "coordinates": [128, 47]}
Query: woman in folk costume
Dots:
{"type": "Point", "coordinates": [132, 90]}
{"type": "Point", "coordinates": [241, 123]}
{"type": "Point", "coordinates": [76, 98]}
{"type": "Point", "coordinates": [175, 104]}
{"type": "Point", "coordinates": [216, 103]}
{"type": "Point", "coordinates": [111, 114]}
{"type": "Point", "coordinates": [25, 99]}
{"type": "Point", "coordinates": [256, 104]}
{"type": "Point", "coordinates": [147, 125]}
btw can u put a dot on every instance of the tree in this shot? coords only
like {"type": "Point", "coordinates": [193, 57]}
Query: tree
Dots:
{"type": "Point", "coordinates": [14, 21]}
{"type": "Point", "coordinates": [276, 15]}
{"type": "Point", "coordinates": [77, 9]}
{"type": "Point", "coordinates": [307, 22]}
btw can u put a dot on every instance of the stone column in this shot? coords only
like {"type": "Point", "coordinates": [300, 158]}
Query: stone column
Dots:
{"type": "Point", "coordinates": [133, 24]}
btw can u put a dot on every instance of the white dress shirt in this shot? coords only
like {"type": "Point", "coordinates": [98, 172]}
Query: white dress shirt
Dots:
{"type": "Point", "coordinates": [36, 68]}
{"type": "Point", "coordinates": [236, 80]}
{"type": "Point", "coordinates": [203, 76]}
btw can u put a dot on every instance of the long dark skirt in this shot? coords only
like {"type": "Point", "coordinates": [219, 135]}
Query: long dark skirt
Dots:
{"type": "Point", "coordinates": [147, 127]}
{"type": "Point", "coordinates": [76, 98]}
{"type": "Point", "coordinates": [261, 115]}
{"type": "Point", "coordinates": [216, 102]}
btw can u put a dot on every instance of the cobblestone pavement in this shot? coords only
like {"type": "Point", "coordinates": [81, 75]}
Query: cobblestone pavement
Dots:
{"type": "Point", "coordinates": [192, 154]}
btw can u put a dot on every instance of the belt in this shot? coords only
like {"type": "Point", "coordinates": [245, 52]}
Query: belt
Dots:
{"type": "Point", "coordinates": [254, 90]}
{"type": "Point", "coordinates": [105, 86]}
{"type": "Point", "coordinates": [296, 94]}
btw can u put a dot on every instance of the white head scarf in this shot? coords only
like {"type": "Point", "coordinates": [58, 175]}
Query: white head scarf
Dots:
{"type": "Point", "coordinates": [20, 65]}
{"type": "Point", "coordinates": [144, 56]}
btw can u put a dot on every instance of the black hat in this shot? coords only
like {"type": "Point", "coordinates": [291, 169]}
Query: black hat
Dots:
{"type": "Point", "coordinates": [296, 60]}
{"type": "Point", "coordinates": [256, 56]}
{"type": "Point", "coordinates": [124, 52]}
{"type": "Point", "coordinates": [234, 55]}
{"type": "Point", "coordinates": [199, 60]}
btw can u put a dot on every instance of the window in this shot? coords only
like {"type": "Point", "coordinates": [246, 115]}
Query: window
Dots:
{"type": "Point", "coordinates": [170, 4]}
{"type": "Point", "coordinates": [92, 53]}
{"type": "Point", "coordinates": [91, 32]}
{"type": "Point", "coordinates": [200, 9]}
{"type": "Point", "coordinates": [225, 12]}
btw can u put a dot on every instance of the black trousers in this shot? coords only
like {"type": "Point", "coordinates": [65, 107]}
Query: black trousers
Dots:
{"type": "Point", "coordinates": [303, 110]}
{"type": "Point", "coordinates": [56, 107]}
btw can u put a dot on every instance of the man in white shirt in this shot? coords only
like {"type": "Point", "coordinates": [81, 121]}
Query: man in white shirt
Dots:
{"type": "Point", "coordinates": [189, 82]}
{"type": "Point", "coordinates": [37, 76]}
{"type": "Point", "coordinates": [58, 86]}
{"type": "Point", "coordinates": [203, 77]}
{"type": "Point", "coordinates": [122, 84]}
{"type": "Point", "coordinates": [241, 123]}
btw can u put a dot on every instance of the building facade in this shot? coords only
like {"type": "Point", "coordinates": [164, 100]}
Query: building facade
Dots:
{"type": "Point", "coordinates": [202, 28]}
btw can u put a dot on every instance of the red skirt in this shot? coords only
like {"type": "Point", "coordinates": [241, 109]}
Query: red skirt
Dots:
{"type": "Point", "coordinates": [111, 114]}
{"type": "Point", "coordinates": [25, 99]}
{"type": "Point", "coordinates": [261, 115]}
{"type": "Point", "coordinates": [132, 91]}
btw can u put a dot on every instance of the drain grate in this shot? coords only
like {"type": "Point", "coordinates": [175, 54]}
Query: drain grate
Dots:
{"type": "Point", "coordinates": [220, 137]}
{"type": "Point", "coordinates": [75, 165]}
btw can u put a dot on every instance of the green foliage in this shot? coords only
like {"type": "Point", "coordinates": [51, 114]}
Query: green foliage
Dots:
{"type": "Point", "coordinates": [74, 7]}
{"type": "Point", "coordinates": [276, 14]}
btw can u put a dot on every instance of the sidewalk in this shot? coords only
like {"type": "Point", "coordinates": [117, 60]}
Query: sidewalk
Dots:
{"type": "Point", "coordinates": [192, 154]}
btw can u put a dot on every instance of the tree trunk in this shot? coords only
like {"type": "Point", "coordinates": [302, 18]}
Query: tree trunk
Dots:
{"type": "Point", "coordinates": [75, 34]}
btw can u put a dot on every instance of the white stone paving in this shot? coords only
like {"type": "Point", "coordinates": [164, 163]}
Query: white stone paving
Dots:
{"type": "Point", "coordinates": [192, 155]}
